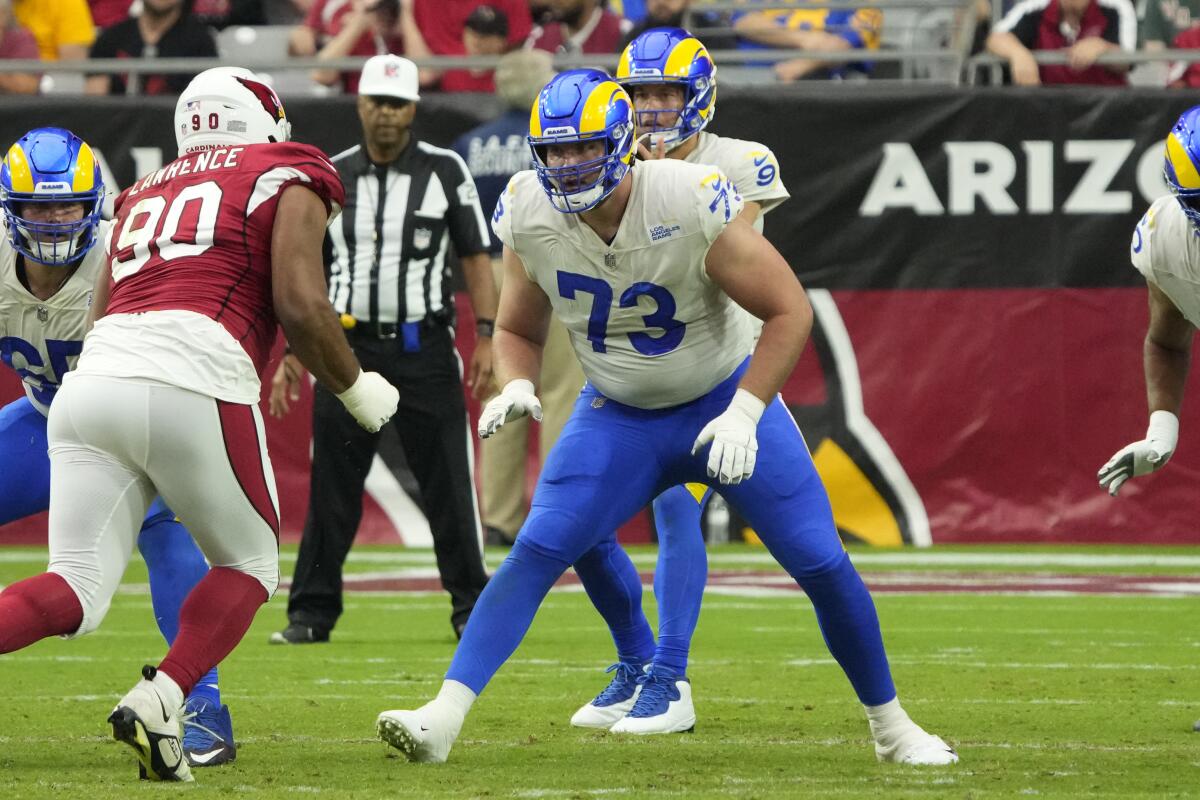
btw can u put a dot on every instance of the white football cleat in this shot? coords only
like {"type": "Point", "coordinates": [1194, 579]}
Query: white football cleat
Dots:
{"type": "Point", "coordinates": [145, 721]}
{"type": "Point", "coordinates": [424, 736]}
{"type": "Point", "coordinates": [915, 746]}
{"type": "Point", "coordinates": [663, 706]}
{"type": "Point", "coordinates": [617, 699]}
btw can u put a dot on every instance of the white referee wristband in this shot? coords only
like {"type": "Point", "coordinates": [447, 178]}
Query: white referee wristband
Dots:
{"type": "Point", "coordinates": [1164, 427]}
{"type": "Point", "coordinates": [748, 403]}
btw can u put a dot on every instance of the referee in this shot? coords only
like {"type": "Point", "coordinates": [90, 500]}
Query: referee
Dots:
{"type": "Point", "coordinates": [405, 202]}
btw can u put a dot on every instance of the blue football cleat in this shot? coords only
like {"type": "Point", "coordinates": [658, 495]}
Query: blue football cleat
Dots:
{"type": "Point", "coordinates": [664, 705]}
{"type": "Point", "coordinates": [614, 702]}
{"type": "Point", "coordinates": [207, 733]}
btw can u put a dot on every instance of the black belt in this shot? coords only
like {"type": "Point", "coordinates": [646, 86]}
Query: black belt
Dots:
{"type": "Point", "coordinates": [392, 330]}
{"type": "Point", "coordinates": [410, 332]}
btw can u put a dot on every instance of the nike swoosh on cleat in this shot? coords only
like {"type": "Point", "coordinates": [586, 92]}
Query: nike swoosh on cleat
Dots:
{"type": "Point", "coordinates": [163, 706]}
{"type": "Point", "coordinates": [204, 758]}
{"type": "Point", "coordinates": [424, 729]}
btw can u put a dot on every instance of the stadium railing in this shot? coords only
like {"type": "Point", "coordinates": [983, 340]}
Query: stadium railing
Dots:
{"type": "Point", "coordinates": [926, 41]}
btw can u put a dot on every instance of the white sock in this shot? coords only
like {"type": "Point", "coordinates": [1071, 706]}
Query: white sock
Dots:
{"type": "Point", "coordinates": [169, 690]}
{"type": "Point", "coordinates": [887, 718]}
{"type": "Point", "coordinates": [457, 697]}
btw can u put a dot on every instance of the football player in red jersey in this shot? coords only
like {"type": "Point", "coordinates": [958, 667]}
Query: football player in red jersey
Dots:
{"type": "Point", "coordinates": [205, 257]}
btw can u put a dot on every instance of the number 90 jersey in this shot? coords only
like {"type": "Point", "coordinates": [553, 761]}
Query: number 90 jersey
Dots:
{"type": "Point", "coordinates": [40, 339]}
{"type": "Point", "coordinates": [650, 328]}
{"type": "Point", "coordinates": [1166, 250]}
{"type": "Point", "coordinates": [190, 255]}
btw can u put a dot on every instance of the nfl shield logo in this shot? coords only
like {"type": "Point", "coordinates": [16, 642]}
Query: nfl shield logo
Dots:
{"type": "Point", "coordinates": [391, 69]}
{"type": "Point", "coordinates": [42, 314]}
{"type": "Point", "coordinates": [421, 238]}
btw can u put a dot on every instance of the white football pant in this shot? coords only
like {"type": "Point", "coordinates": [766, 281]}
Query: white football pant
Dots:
{"type": "Point", "coordinates": [117, 443]}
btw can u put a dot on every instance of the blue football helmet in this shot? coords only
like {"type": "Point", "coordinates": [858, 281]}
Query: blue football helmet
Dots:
{"type": "Point", "coordinates": [582, 105]}
{"type": "Point", "coordinates": [671, 56]}
{"type": "Point", "coordinates": [1181, 163]}
{"type": "Point", "coordinates": [51, 165]}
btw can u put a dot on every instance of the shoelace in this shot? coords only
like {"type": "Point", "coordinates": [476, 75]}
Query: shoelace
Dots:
{"type": "Point", "coordinates": [657, 693]}
{"type": "Point", "coordinates": [627, 675]}
{"type": "Point", "coordinates": [189, 720]}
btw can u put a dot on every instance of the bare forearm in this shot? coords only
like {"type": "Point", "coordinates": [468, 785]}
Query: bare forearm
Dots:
{"type": "Point", "coordinates": [96, 84]}
{"type": "Point", "coordinates": [72, 52]}
{"type": "Point", "coordinates": [341, 45]}
{"type": "Point", "coordinates": [99, 305]}
{"type": "Point", "coordinates": [302, 41]}
{"type": "Point", "coordinates": [779, 347]}
{"type": "Point", "coordinates": [338, 47]}
{"type": "Point", "coordinates": [414, 43]}
{"type": "Point", "coordinates": [820, 40]}
{"type": "Point", "coordinates": [515, 357]}
{"type": "Point", "coordinates": [759, 29]}
{"type": "Point", "coordinates": [315, 337]}
{"type": "Point", "coordinates": [1166, 376]}
{"type": "Point", "coordinates": [1005, 45]}
{"type": "Point", "coordinates": [19, 83]}
{"type": "Point", "coordinates": [1119, 69]}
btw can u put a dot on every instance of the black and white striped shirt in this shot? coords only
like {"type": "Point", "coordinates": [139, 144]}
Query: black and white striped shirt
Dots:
{"type": "Point", "coordinates": [388, 247]}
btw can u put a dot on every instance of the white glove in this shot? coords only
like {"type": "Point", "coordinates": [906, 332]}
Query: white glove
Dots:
{"type": "Point", "coordinates": [734, 439]}
{"type": "Point", "coordinates": [1142, 458]}
{"type": "Point", "coordinates": [515, 400]}
{"type": "Point", "coordinates": [371, 400]}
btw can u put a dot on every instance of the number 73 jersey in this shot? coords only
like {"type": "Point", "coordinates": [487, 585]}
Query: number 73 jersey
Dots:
{"type": "Point", "coordinates": [649, 326]}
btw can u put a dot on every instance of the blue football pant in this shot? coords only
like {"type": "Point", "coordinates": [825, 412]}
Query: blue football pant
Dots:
{"type": "Point", "coordinates": [612, 583]}
{"type": "Point", "coordinates": [609, 462]}
{"type": "Point", "coordinates": [174, 562]}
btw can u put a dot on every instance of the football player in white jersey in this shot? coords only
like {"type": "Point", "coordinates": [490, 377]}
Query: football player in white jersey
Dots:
{"type": "Point", "coordinates": [646, 265]}
{"type": "Point", "coordinates": [672, 82]}
{"type": "Point", "coordinates": [1166, 250]}
{"type": "Point", "coordinates": [51, 249]}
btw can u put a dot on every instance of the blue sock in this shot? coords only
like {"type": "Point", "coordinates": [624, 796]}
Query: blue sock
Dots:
{"type": "Point", "coordinates": [613, 585]}
{"type": "Point", "coordinates": [504, 612]}
{"type": "Point", "coordinates": [175, 565]}
{"type": "Point", "coordinates": [850, 626]}
{"type": "Point", "coordinates": [681, 574]}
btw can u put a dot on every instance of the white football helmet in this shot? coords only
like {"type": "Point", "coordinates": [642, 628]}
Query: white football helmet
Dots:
{"type": "Point", "coordinates": [227, 106]}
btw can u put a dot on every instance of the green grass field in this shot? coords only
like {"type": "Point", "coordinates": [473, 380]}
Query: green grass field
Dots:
{"type": "Point", "coordinates": [1053, 695]}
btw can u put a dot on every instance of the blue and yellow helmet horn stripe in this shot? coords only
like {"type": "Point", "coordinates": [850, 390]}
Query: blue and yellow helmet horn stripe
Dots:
{"type": "Point", "coordinates": [50, 165]}
{"type": "Point", "coordinates": [579, 106]}
{"type": "Point", "coordinates": [671, 56]}
{"type": "Point", "coordinates": [1181, 163]}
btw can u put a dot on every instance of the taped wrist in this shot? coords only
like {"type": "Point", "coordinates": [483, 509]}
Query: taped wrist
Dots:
{"type": "Point", "coordinates": [749, 404]}
{"type": "Point", "coordinates": [1164, 427]}
{"type": "Point", "coordinates": [358, 394]}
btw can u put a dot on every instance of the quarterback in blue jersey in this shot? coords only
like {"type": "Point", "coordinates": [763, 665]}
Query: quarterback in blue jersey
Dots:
{"type": "Point", "coordinates": [51, 250]}
{"type": "Point", "coordinates": [649, 267]}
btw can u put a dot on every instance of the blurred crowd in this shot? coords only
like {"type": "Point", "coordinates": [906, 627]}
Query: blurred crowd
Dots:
{"type": "Point", "coordinates": [65, 30]}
